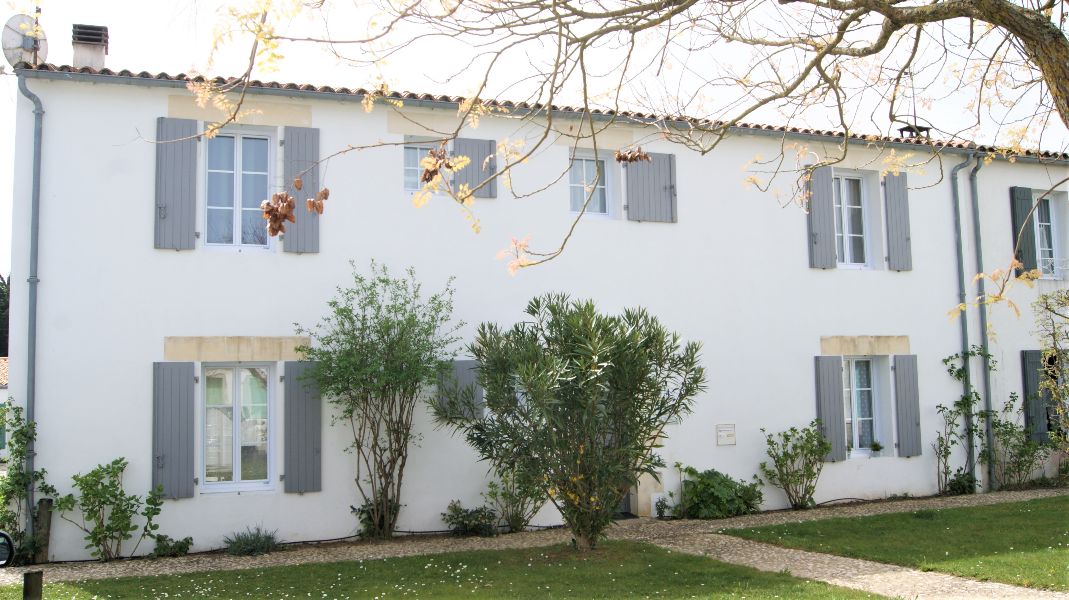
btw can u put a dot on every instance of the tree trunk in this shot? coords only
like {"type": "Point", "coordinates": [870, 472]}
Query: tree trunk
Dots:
{"type": "Point", "coordinates": [1043, 42]}
{"type": "Point", "coordinates": [583, 543]}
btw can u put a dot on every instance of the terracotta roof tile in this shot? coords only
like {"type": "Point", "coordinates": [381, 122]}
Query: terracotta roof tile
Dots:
{"type": "Point", "coordinates": [182, 77]}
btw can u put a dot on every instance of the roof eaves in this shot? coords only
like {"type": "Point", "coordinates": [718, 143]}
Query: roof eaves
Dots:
{"type": "Point", "coordinates": [68, 73]}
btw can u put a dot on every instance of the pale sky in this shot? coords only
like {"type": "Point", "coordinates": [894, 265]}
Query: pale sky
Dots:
{"type": "Point", "coordinates": [175, 36]}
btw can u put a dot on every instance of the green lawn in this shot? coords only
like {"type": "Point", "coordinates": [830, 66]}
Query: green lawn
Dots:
{"type": "Point", "coordinates": [1022, 543]}
{"type": "Point", "coordinates": [614, 570]}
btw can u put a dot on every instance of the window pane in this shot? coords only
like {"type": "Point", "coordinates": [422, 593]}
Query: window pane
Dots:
{"type": "Point", "coordinates": [221, 153]}
{"type": "Point", "coordinates": [412, 179]}
{"type": "Point", "coordinates": [253, 424]}
{"type": "Point", "coordinates": [253, 190]}
{"type": "Point", "coordinates": [412, 157]}
{"type": "Point", "coordinates": [253, 228]}
{"type": "Point", "coordinates": [865, 436]}
{"type": "Point", "coordinates": [221, 189]}
{"type": "Point", "coordinates": [597, 203]}
{"type": "Point", "coordinates": [218, 386]}
{"type": "Point", "coordinates": [1044, 211]}
{"type": "Point", "coordinates": [575, 174]}
{"type": "Point", "coordinates": [857, 249]}
{"type": "Point", "coordinates": [853, 196]}
{"type": "Point", "coordinates": [578, 197]}
{"type": "Point", "coordinates": [218, 443]}
{"type": "Point", "coordinates": [857, 222]}
{"type": "Point", "coordinates": [849, 435]}
{"type": "Point", "coordinates": [220, 226]}
{"type": "Point", "coordinates": [862, 374]}
{"type": "Point", "coordinates": [254, 154]}
{"type": "Point", "coordinates": [864, 404]}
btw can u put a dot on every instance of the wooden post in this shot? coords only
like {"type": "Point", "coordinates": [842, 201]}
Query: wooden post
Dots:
{"type": "Point", "coordinates": [32, 585]}
{"type": "Point", "coordinates": [42, 527]}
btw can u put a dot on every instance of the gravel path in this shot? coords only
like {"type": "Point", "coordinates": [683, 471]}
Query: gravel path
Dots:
{"type": "Point", "coordinates": [694, 537]}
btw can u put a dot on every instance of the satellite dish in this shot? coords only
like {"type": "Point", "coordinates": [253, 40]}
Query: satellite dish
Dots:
{"type": "Point", "coordinates": [23, 41]}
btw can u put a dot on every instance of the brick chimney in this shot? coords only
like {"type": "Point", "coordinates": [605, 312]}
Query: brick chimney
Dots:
{"type": "Point", "coordinates": [90, 46]}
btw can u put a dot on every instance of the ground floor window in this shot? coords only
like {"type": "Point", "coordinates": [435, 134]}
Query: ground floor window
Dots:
{"type": "Point", "coordinates": [859, 402]}
{"type": "Point", "coordinates": [237, 413]}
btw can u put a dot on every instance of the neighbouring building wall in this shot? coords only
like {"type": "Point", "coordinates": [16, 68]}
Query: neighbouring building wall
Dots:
{"type": "Point", "coordinates": [732, 273]}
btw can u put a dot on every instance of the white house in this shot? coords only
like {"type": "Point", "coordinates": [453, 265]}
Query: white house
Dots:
{"type": "Point", "coordinates": [163, 309]}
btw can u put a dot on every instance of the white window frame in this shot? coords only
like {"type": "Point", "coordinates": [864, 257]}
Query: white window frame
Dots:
{"type": "Point", "coordinates": [238, 131]}
{"type": "Point", "coordinates": [842, 216]}
{"type": "Point", "coordinates": [267, 485]}
{"type": "Point", "coordinates": [1053, 224]}
{"type": "Point", "coordinates": [610, 175]}
{"type": "Point", "coordinates": [849, 390]}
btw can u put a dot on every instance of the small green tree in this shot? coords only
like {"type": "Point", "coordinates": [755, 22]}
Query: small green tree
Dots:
{"type": "Point", "coordinates": [15, 485]}
{"type": "Point", "coordinates": [960, 427]}
{"type": "Point", "coordinates": [797, 459]}
{"type": "Point", "coordinates": [516, 499]}
{"type": "Point", "coordinates": [576, 402]}
{"type": "Point", "coordinates": [379, 347]}
{"type": "Point", "coordinates": [108, 512]}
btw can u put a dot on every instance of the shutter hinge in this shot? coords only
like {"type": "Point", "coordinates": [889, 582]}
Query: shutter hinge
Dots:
{"type": "Point", "coordinates": [281, 142]}
{"type": "Point", "coordinates": [196, 379]}
{"type": "Point", "coordinates": [196, 234]}
{"type": "Point", "coordinates": [282, 477]}
{"type": "Point", "coordinates": [196, 481]}
{"type": "Point", "coordinates": [281, 378]}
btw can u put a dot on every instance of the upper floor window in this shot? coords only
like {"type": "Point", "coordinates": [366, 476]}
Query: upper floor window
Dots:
{"type": "Point", "coordinates": [414, 153]}
{"type": "Point", "coordinates": [859, 404]}
{"type": "Point", "coordinates": [239, 169]}
{"type": "Point", "coordinates": [236, 427]}
{"type": "Point", "coordinates": [850, 243]}
{"type": "Point", "coordinates": [1046, 259]}
{"type": "Point", "coordinates": [587, 178]}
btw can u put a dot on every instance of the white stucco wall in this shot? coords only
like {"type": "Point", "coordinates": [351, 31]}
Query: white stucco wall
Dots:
{"type": "Point", "coordinates": [732, 274]}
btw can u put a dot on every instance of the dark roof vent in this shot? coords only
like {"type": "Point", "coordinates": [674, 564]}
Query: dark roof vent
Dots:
{"type": "Point", "coordinates": [914, 131]}
{"type": "Point", "coordinates": [96, 35]}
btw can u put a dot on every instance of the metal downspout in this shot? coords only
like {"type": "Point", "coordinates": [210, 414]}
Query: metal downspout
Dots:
{"type": "Point", "coordinates": [963, 319]}
{"type": "Point", "coordinates": [960, 255]}
{"type": "Point", "coordinates": [982, 293]}
{"type": "Point", "coordinates": [31, 321]}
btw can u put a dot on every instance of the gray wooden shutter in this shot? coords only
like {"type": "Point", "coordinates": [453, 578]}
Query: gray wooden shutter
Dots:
{"type": "Point", "coordinates": [651, 189]}
{"type": "Point", "coordinates": [1035, 399]}
{"type": "Point", "coordinates": [176, 183]}
{"type": "Point", "coordinates": [301, 149]}
{"type": "Point", "coordinates": [899, 251]}
{"type": "Point", "coordinates": [483, 155]}
{"type": "Point", "coordinates": [464, 377]}
{"type": "Point", "coordinates": [172, 428]}
{"type": "Point", "coordinates": [821, 220]}
{"type": "Point", "coordinates": [830, 407]}
{"type": "Point", "coordinates": [303, 441]}
{"type": "Point", "coordinates": [1021, 207]}
{"type": "Point", "coordinates": [907, 405]}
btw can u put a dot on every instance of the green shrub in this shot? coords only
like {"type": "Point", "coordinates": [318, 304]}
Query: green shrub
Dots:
{"type": "Point", "coordinates": [713, 495]}
{"type": "Point", "coordinates": [961, 483]}
{"type": "Point", "coordinates": [251, 542]}
{"type": "Point", "coordinates": [165, 546]}
{"type": "Point", "coordinates": [1015, 456]}
{"type": "Point", "coordinates": [664, 507]}
{"type": "Point", "coordinates": [516, 500]}
{"type": "Point", "coordinates": [797, 460]}
{"type": "Point", "coordinates": [108, 512]}
{"type": "Point", "coordinates": [14, 486]}
{"type": "Point", "coordinates": [480, 521]}
{"type": "Point", "coordinates": [373, 522]}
